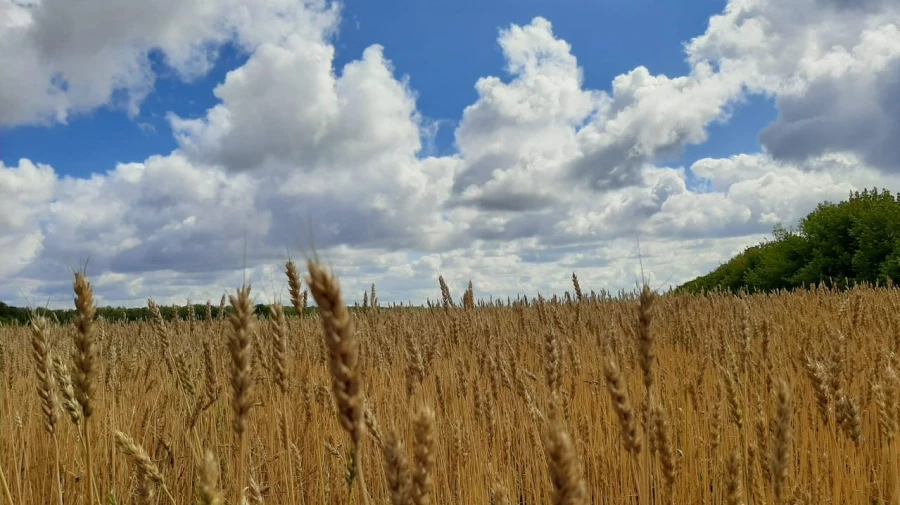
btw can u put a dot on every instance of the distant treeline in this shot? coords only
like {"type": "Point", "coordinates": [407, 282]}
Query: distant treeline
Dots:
{"type": "Point", "coordinates": [837, 245]}
{"type": "Point", "coordinates": [11, 315]}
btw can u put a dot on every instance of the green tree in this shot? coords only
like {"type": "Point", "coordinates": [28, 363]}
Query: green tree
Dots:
{"type": "Point", "coordinates": [876, 229]}
{"type": "Point", "coordinates": [779, 261]}
{"type": "Point", "coordinates": [857, 240]}
{"type": "Point", "coordinates": [831, 246]}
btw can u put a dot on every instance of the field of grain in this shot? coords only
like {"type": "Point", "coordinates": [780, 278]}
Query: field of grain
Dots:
{"type": "Point", "coordinates": [652, 399]}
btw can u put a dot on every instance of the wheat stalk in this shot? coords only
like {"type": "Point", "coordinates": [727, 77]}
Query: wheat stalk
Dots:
{"type": "Point", "coordinates": [239, 346]}
{"type": "Point", "coordinates": [343, 360]}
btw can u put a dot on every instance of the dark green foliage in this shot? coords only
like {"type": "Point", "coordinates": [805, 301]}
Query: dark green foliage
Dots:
{"type": "Point", "coordinates": [854, 241]}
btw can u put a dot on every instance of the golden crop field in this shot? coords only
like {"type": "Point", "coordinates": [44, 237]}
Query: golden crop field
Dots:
{"type": "Point", "coordinates": [654, 399]}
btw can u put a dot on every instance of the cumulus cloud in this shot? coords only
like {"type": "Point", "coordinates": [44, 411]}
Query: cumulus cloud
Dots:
{"type": "Point", "coordinates": [832, 66]}
{"type": "Point", "coordinates": [68, 57]}
{"type": "Point", "coordinates": [860, 113]}
{"type": "Point", "coordinates": [516, 137]}
{"type": "Point", "coordinates": [308, 119]}
{"type": "Point", "coordinates": [529, 140]}
{"type": "Point", "coordinates": [549, 176]}
{"type": "Point", "coordinates": [25, 191]}
{"type": "Point", "coordinates": [163, 214]}
{"type": "Point", "coordinates": [648, 117]}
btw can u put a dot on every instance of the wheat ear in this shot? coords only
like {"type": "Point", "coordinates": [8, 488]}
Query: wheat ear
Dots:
{"type": "Point", "coordinates": [43, 367]}
{"type": "Point", "coordinates": [83, 359]}
{"type": "Point", "coordinates": [239, 340]}
{"type": "Point", "coordinates": [209, 481]}
{"type": "Point", "coordinates": [565, 469]}
{"type": "Point", "coordinates": [343, 359]}
{"type": "Point", "coordinates": [396, 468]}
{"type": "Point", "coordinates": [141, 460]}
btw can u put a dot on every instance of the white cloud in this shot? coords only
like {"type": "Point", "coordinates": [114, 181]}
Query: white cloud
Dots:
{"type": "Point", "coordinates": [25, 191]}
{"type": "Point", "coordinates": [550, 176]}
{"type": "Point", "coordinates": [832, 66]}
{"type": "Point", "coordinates": [338, 149]}
{"type": "Point", "coordinates": [307, 118]}
{"type": "Point", "coordinates": [517, 136]}
{"type": "Point", "coordinates": [160, 214]}
{"type": "Point", "coordinates": [67, 57]}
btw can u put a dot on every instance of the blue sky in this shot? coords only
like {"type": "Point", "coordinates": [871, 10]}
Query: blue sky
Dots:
{"type": "Point", "coordinates": [442, 46]}
{"type": "Point", "coordinates": [566, 131]}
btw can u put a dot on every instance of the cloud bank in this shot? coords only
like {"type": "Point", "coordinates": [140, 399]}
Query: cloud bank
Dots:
{"type": "Point", "coordinates": [548, 177]}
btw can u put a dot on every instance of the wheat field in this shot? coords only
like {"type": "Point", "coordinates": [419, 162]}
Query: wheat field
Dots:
{"type": "Point", "coordinates": [649, 399]}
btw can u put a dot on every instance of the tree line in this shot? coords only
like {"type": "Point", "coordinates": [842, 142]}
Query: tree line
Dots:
{"type": "Point", "coordinates": [837, 245]}
{"type": "Point", "coordinates": [21, 315]}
